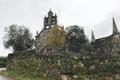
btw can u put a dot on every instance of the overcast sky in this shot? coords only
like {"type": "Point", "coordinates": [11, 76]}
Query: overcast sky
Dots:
{"type": "Point", "coordinates": [91, 14]}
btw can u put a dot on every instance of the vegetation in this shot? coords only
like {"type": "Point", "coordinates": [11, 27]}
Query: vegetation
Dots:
{"type": "Point", "coordinates": [54, 66]}
{"type": "Point", "coordinates": [15, 76]}
{"type": "Point", "coordinates": [56, 36]}
{"type": "Point", "coordinates": [30, 66]}
{"type": "Point", "coordinates": [76, 39]}
{"type": "Point", "coordinates": [18, 37]}
{"type": "Point", "coordinates": [3, 61]}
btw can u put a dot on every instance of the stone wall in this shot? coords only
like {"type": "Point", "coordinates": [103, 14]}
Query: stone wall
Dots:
{"type": "Point", "coordinates": [56, 67]}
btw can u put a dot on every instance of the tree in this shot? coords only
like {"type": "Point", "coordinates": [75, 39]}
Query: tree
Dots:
{"type": "Point", "coordinates": [56, 36]}
{"type": "Point", "coordinates": [18, 37]}
{"type": "Point", "coordinates": [76, 38]}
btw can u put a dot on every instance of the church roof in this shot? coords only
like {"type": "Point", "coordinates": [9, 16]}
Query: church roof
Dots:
{"type": "Point", "coordinates": [103, 39]}
{"type": "Point", "coordinates": [115, 29]}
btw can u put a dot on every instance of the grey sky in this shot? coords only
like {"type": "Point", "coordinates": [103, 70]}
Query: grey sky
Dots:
{"type": "Point", "coordinates": [91, 14]}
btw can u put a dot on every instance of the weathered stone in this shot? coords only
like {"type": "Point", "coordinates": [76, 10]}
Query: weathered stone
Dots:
{"type": "Point", "coordinates": [51, 33]}
{"type": "Point", "coordinates": [108, 45]}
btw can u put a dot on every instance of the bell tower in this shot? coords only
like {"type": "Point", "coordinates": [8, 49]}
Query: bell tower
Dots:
{"type": "Point", "coordinates": [50, 20]}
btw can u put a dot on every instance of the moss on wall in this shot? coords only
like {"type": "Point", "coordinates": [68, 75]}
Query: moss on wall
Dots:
{"type": "Point", "coordinates": [54, 66]}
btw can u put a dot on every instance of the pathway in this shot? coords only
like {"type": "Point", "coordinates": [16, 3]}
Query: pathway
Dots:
{"type": "Point", "coordinates": [2, 77]}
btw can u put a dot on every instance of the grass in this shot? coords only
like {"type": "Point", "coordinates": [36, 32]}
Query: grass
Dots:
{"type": "Point", "coordinates": [13, 76]}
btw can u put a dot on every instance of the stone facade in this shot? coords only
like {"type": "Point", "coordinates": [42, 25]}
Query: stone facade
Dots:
{"type": "Point", "coordinates": [43, 38]}
{"type": "Point", "coordinates": [108, 45]}
{"type": "Point", "coordinates": [41, 41]}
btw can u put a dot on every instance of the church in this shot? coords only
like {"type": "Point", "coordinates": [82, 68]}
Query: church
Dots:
{"type": "Point", "coordinates": [52, 37]}
{"type": "Point", "coordinates": [107, 46]}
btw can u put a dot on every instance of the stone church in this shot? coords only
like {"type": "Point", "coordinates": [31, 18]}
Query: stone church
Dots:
{"type": "Point", "coordinates": [51, 31]}
{"type": "Point", "coordinates": [109, 45]}
{"type": "Point", "coordinates": [45, 37]}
